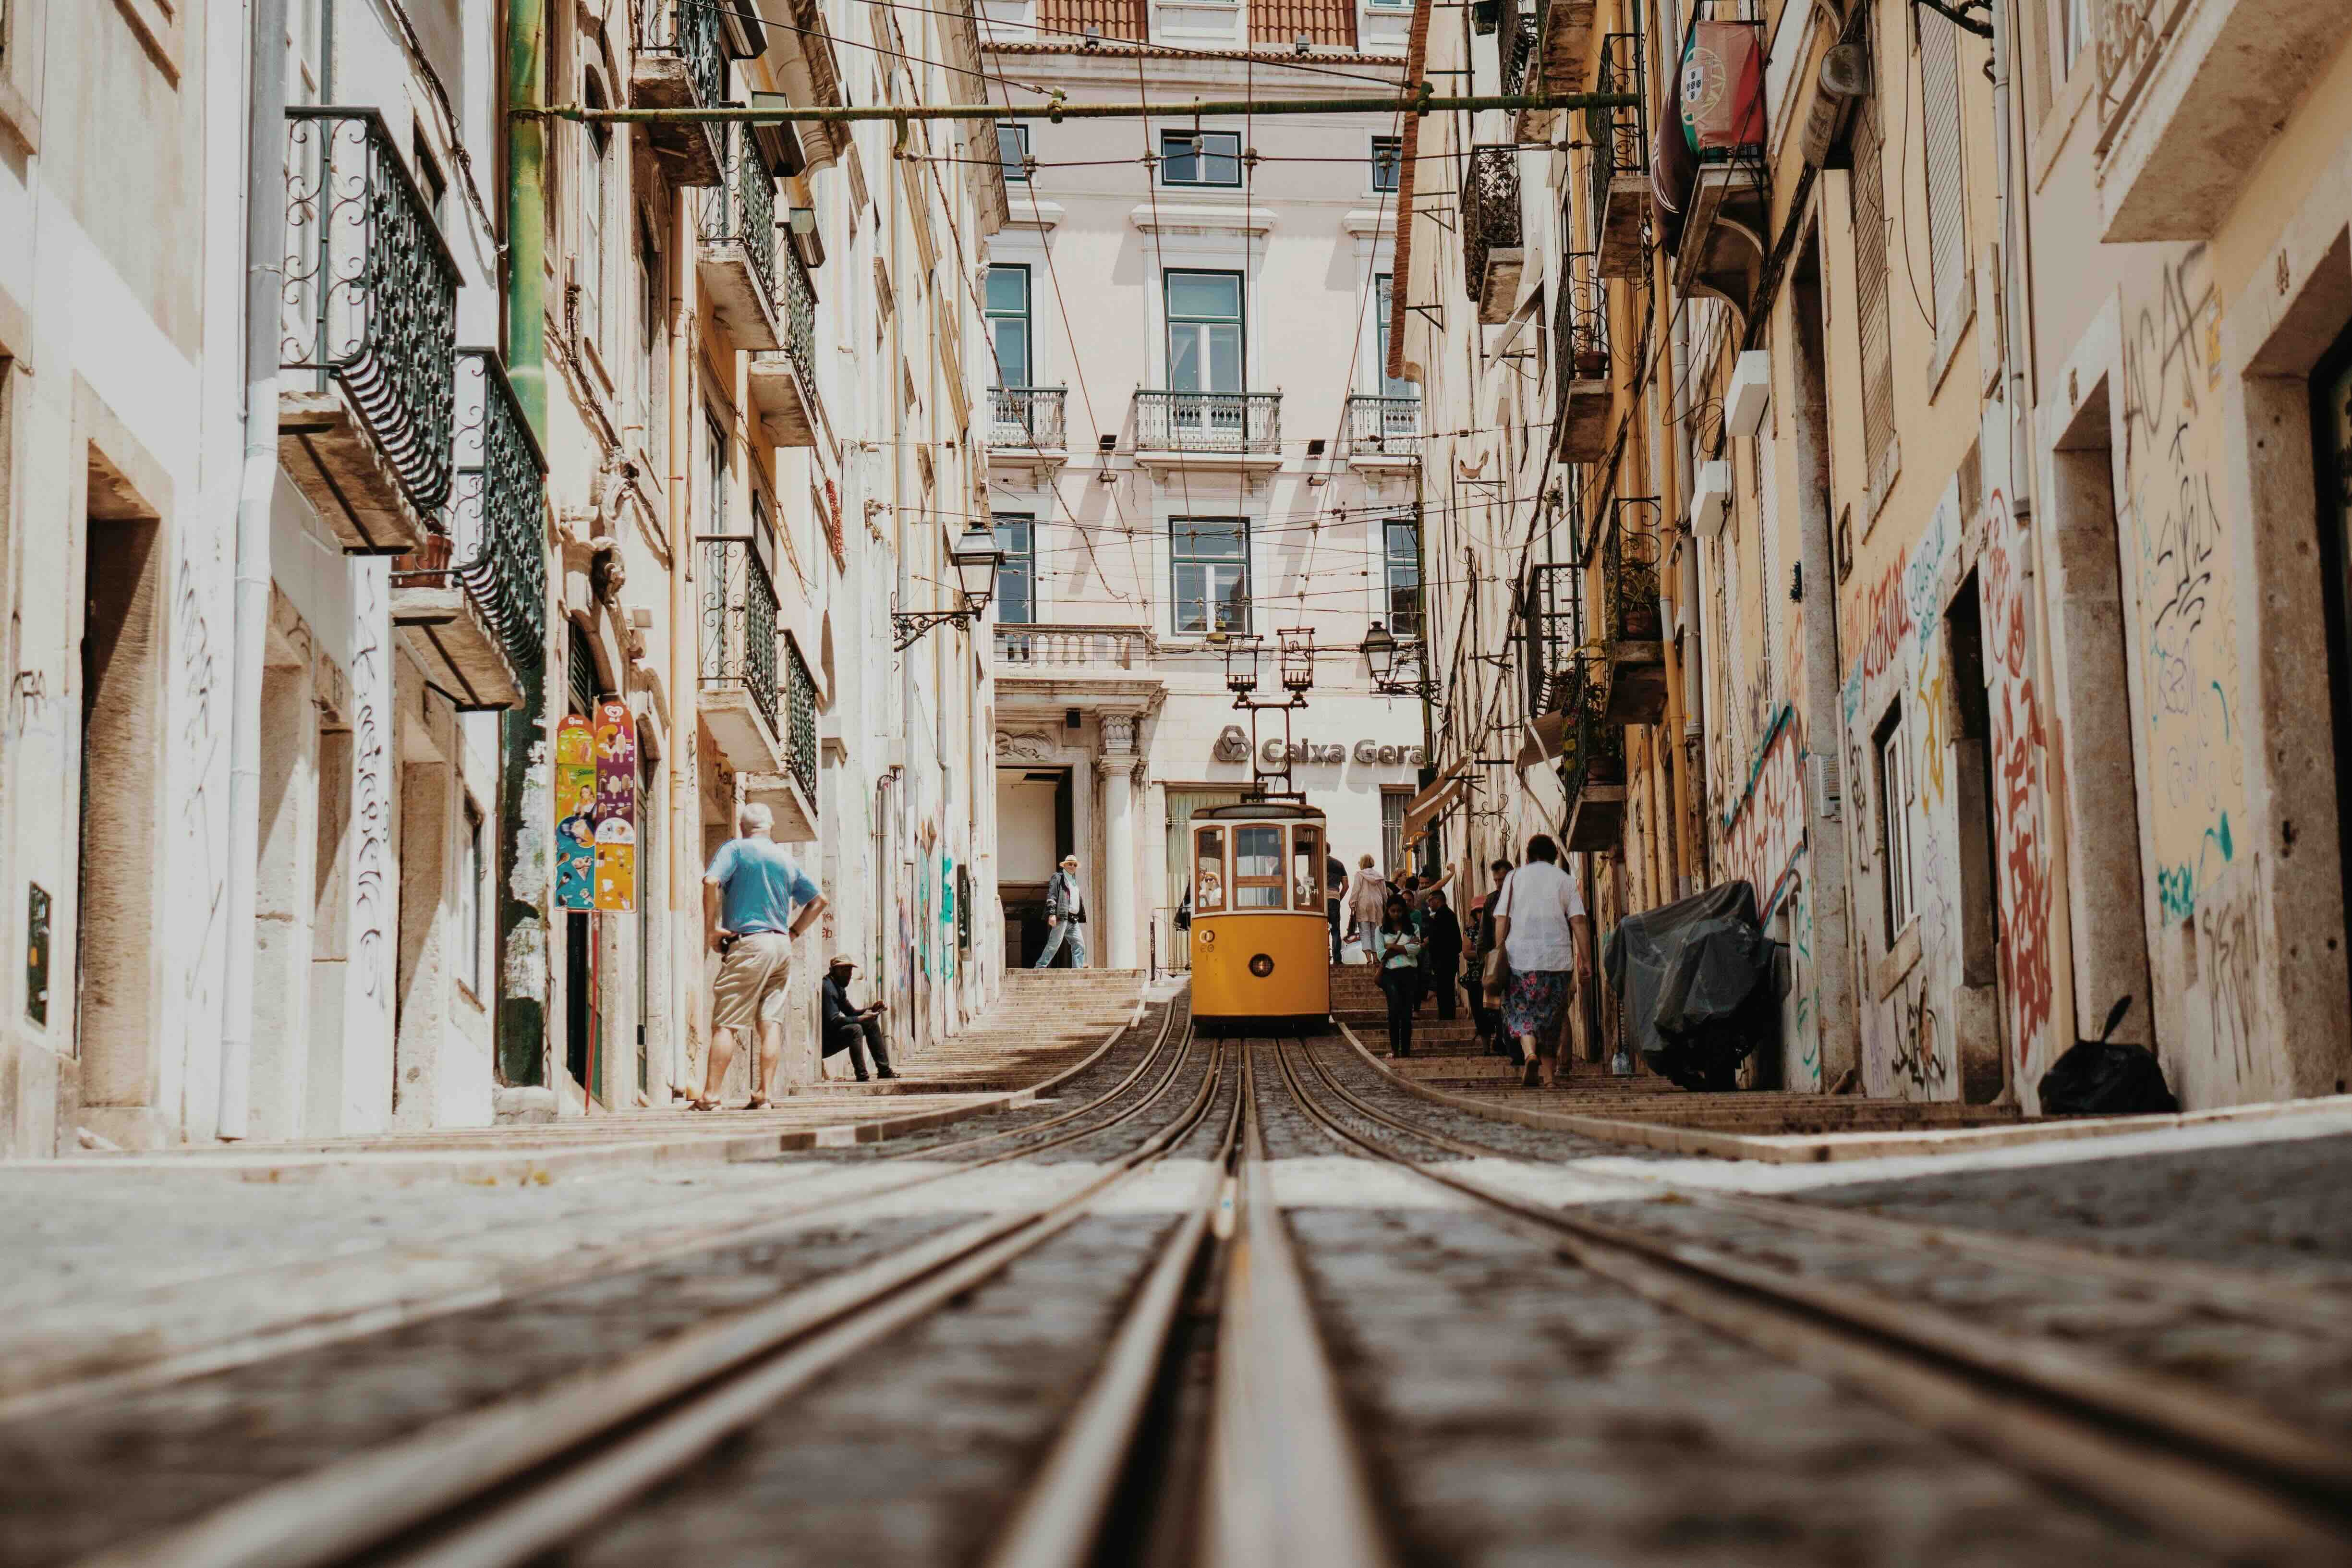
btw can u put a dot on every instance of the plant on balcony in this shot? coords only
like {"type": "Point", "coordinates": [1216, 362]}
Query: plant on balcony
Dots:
{"type": "Point", "coordinates": [1593, 751]}
{"type": "Point", "coordinates": [1490, 213]}
{"type": "Point", "coordinates": [1630, 571]}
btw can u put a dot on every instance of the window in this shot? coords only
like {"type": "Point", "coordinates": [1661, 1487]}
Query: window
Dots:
{"type": "Point", "coordinates": [1204, 334]}
{"type": "Point", "coordinates": [430, 180]}
{"type": "Point", "coordinates": [1208, 870]}
{"type": "Point", "coordinates": [2075, 25]}
{"type": "Point", "coordinates": [649, 330]}
{"type": "Point", "coordinates": [1012, 151]}
{"type": "Point", "coordinates": [763, 534]}
{"type": "Point", "coordinates": [1388, 162]}
{"type": "Point", "coordinates": [1210, 559]}
{"type": "Point", "coordinates": [1199, 158]}
{"type": "Point", "coordinates": [1404, 555]}
{"type": "Point", "coordinates": [1016, 579]}
{"type": "Point", "coordinates": [1870, 229]}
{"type": "Point", "coordinates": [1893, 819]}
{"type": "Point", "coordinates": [596, 198]}
{"type": "Point", "coordinates": [1391, 385]}
{"type": "Point", "coordinates": [1257, 868]}
{"type": "Point", "coordinates": [1007, 302]}
{"type": "Point", "coordinates": [1307, 868]}
{"type": "Point", "coordinates": [469, 903]}
{"type": "Point", "coordinates": [1947, 227]}
{"type": "Point", "coordinates": [1392, 804]}
{"type": "Point", "coordinates": [714, 474]}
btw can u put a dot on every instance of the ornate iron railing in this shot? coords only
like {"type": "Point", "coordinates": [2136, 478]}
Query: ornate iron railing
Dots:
{"type": "Point", "coordinates": [1382, 426]}
{"type": "Point", "coordinates": [738, 624]}
{"type": "Point", "coordinates": [796, 301]}
{"type": "Point", "coordinates": [370, 299]}
{"type": "Point", "coordinates": [1630, 557]}
{"type": "Point", "coordinates": [495, 523]}
{"type": "Point", "coordinates": [1111, 648]}
{"type": "Point", "coordinates": [1580, 324]}
{"type": "Point", "coordinates": [1027, 416]}
{"type": "Point", "coordinates": [1490, 212]}
{"type": "Point", "coordinates": [800, 712]}
{"type": "Point", "coordinates": [1593, 751]}
{"type": "Point", "coordinates": [1551, 610]}
{"type": "Point", "coordinates": [1522, 29]}
{"type": "Point", "coordinates": [1208, 421]}
{"type": "Point", "coordinates": [691, 30]}
{"type": "Point", "coordinates": [2127, 37]}
{"type": "Point", "coordinates": [1619, 137]}
{"type": "Point", "coordinates": [741, 209]}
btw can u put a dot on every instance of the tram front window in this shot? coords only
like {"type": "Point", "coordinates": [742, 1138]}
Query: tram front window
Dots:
{"type": "Point", "coordinates": [1208, 869]}
{"type": "Point", "coordinates": [1257, 868]}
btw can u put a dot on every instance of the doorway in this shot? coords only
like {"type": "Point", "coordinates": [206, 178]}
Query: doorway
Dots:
{"type": "Point", "coordinates": [1036, 825]}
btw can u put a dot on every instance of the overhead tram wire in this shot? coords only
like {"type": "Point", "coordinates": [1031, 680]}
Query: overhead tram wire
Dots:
{"type": "Point", "coordinates": [830, 37]}
{"type": "Point", "coordinates": [1113, 46]}
{"type": "Point", "coordinates": [1056, 109]}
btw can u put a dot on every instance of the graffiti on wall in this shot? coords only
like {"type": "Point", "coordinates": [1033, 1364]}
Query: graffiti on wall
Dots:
{"type": "Point", "coordinates": [2020, 753]}
{"type": "Point", "coordinates": [370, 803]}
{"type": "Point", "coordinates": [203, 802]}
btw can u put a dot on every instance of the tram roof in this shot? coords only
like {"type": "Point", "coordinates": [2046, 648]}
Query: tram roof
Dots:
{"type": "Point", "coordinates": [1267, 811]}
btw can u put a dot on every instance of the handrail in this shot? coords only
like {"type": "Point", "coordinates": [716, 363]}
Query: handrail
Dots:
{"type": "Point", "coordinates": [738, 623]}
{"type": "Point", "coordinates": [741, 208]}
{"type": "Point", "coordinates": [498, 506]}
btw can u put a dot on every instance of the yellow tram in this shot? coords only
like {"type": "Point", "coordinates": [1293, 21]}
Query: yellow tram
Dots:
{"type": "Point", "coordinates": [1261, 942]}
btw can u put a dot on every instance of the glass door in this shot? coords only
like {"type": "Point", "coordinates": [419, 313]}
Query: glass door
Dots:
{"type": "Point", "coordinates": [1205, 353]}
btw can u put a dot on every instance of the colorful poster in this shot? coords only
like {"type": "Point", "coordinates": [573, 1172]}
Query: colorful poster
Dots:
{"type": "Point", "coordinates": [616, 764]}
{"type": "Point", "coordinates": [575, 862]}
{"type": "Point", "coordinates": [575, 767]}
{"type": "Point", "coordinates": [616, 865]}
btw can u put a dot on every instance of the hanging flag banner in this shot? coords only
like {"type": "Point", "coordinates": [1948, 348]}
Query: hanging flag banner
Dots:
{"type": "Point", "coordinates": [616, 807]}
{"type": "Point", "coordinates": [616, 865]}
{"type": "Point", "coordinates": [575, 821]}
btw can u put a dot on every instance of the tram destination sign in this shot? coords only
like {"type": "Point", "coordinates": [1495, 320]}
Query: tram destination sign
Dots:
{"type": "Point", "coordinates": [1232, 746]}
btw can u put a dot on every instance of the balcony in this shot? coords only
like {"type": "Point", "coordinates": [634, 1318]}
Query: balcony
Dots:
{"type": "Point", "coordinates": [681, 63]}
{"type": "Point", "coordinates": [1025, 427]}
{"type": "Point", "coordinates": [367, 335]}
{"type": "Point", "coordinates": [740, 696]}
{"type": "Point", "coordinates": [1591, 766]}
{"type": "Point", "coordinates": [1492, 244]}
{"type": "Point", "coordinates": [1381, 431]}
{"type": "Point", "coordinates": [1582, 369]}
{"type": "Point", "coordinates": [1208, 429]}
{"type": "Point", "coordinates": [477, 626]}
{"type": "Point", "coordinates": [1556, 64]}
{"type": "Point", "coordinates": [790, 793]}
{"type": "Point", "coordinates": [1521, 30]}
{"type": "Point", "coordinates": [783, 379]}
{"type": "Point", "coordinates": [1550, 633]}
{"type": "Point", "coordinates": [1618, 166]}
{"type": "Point", "coordinates": [736, 260]}
{"type": "Point", "coordinates": [1049, 669]}
{"type": "Point", "coordinates": [1632, 630]}
{"type": "Point", "coordinates": [1726, 199]}
{"type": "Point", "coordinates": [2192, 94]}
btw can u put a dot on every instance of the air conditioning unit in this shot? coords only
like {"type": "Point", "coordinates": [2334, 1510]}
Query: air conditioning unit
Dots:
{"type": "Point", "coordinates": [1711, 498]}
{"type": "Point", "coordinates": [1751, 389]}
{"type": "Point", "coordinates": [1825, 786]}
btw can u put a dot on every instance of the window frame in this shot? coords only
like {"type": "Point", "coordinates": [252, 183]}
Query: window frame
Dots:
{"type": "Point", "coordinates": [1306, 839]}
{"type": "Point", "coordinates": [1208, 860]}
{"type": "Point", "coordinates": [471, 902]}
{"type": "Point", "coordinates": [1239, 320]}
{"type": "Point", "coordinates": [1179, 559]}
{"type": "Point", "coordinates": [1016, 170]}
{"type": "Point", "coordinates": [1025, 557]}
{"type": "Point", "coordinates": [1025, 315]}
{"type": "Point", "coordinates": [595, 216]}
{"type": "Point", "coordinates": [1891, 768]}
{"type": "Point", "coordinates": [1391, 561]}
{"type": "Point", "coordinates": [1277, 884]}
{"type": "Point", "coordinates": [1393, 166]}
{"type": "Point", "coordinates": [1202, 157]}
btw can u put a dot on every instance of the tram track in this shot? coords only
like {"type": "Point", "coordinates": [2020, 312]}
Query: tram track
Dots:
{"type": "Point", "coordinates": [2207, 1469]}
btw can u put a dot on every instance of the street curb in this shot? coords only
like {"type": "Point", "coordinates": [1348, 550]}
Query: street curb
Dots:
{"type": "Point", "coordinates": [1825, 1148]}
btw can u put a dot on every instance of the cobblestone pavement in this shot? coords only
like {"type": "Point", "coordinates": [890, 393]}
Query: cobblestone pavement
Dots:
{"type": "Point", "coordinates": [1516, 1408]}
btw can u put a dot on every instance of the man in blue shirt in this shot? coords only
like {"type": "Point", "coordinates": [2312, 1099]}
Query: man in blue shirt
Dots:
{"type": "Point", "coordinates": [756, 899]}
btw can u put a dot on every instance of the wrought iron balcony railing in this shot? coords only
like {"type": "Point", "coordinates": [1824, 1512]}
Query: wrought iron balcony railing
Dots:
{"type": "Point", "coordinates": [1522, 27]}
{"type": "Point", "coordinates": [1383, 428]}
{"type": "Point", "coordinates": [796, 304]}
{"type": "Point", "coordinates": [1208, 421]}
{"type": "Point", "coordinates": [742, 210]}
{"type": "Point", "coordinates": [497, 524]}
{"type": "Point", "coordinates": [370, 299]}
{"type": "Point", "coordinates": [738, 624]}
{"type": "Point", "coordinates": [1551, 627]}
{"type": "Point", "coordinates": [1593, 750]}
{"type": "Point", "coordinates": [1073, 646]}
{"type": "Point", "coordinates": [1581, 324]}
{"type": "Point", "coordinates": [1490, 212]}
{"type": "Point", "coordinates": [800, 712]}
{"type": "Point", "coordinates": [1629, 546]}
{"type": "Point", "coordinates": [1619, 137]}
{"type": "Point", "coordinates": [1027, 416]}
{"type": "Point", "coordinates": [691, 30]}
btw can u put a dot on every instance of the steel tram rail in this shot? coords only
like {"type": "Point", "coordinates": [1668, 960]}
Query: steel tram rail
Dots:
{"type": "Point", "coordinates": [2182, 1460]}
{"type": "Point", "coordinates": [559, 1460]}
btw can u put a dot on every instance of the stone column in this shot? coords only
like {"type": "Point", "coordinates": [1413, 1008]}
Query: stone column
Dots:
{"type": "Point", "coordinates": [1116, 893]}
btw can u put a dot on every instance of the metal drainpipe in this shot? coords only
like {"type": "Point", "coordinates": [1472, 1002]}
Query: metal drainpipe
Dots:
{"type": "Point", "coordinates": [265, 265]}
{"type": "Point", "coordinates": [685, 806]}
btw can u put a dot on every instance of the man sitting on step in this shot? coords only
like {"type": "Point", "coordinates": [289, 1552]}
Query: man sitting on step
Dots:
{"type": "Point", "coordinates": [849, 1028]}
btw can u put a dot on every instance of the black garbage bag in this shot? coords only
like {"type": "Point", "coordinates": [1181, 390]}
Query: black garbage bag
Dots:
{"type": "Point", "coordinates": [1693, 985]}
{"type": "Point", "coordinates": [2106, 1078]}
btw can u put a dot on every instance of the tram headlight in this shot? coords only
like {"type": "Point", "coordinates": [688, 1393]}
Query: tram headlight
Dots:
{"type": "Point", "coordinates": [1262, 965]}
{"type": "Point", "coordinates": [1206, 936]}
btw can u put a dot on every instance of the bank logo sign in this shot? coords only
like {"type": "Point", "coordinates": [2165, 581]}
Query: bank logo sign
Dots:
{"type": "Point", "coordinates": [1232, 746]}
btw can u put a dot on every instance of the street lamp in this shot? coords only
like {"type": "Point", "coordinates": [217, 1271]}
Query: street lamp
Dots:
{"type": "Point", "coordinates": [1241, 662]}
{"type": "Point", "coordinates": [1398, 667]}
{"type": "Point", "coordinates": [1297, 662]}
{"type": "Point", "coordinates": [975, 557]}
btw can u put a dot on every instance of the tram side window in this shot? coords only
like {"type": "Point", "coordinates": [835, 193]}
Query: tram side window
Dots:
{"type": "Point", "coordinates": [1257, 868]}
{"type": "Point", "coordinates": [1208, 870]}
{"type": "Point", "coordinates": [1307, 869]}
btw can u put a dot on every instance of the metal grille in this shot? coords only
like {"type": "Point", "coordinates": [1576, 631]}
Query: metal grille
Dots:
{"type": "Point", "coordinates": [1490, 212]}
{"type": "Point", "coordinates": [370, 301]}
{"type": "Point", "coordinates": [496, 508]}
{"type": "Point", "coordinates": [689, 29]}
{"type": "Point", "coordinates": [1593, 750]}
{"type": "Point", "coordinates": [1522, 28]}
{"type": "Point", "coordinates": [741, 209]}
{"type": "Point", "coordinates": [1580, 325]}
{"type": "Point", "coordinates": [800, 706]}
{"type": "Point", "coordinates": [1619, 137]}
{"type": "Point", "coordinates": [1552, 631]}
{"type": "Point", "coordinates": [738, 624]}
{"type": "Point", "coordinates": [1629, 571]}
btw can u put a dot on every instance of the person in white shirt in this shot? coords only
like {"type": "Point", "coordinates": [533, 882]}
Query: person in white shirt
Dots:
{"type": "Point", "coordinates": [1547, 939]}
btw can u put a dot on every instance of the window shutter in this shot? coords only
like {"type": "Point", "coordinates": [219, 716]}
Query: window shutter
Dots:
{"type": "Point", "coordinates": [1869, 190]}
{"type": "Point", "coordinates": [1947, 236]}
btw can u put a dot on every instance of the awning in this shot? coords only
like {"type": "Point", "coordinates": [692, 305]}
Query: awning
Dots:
{"type": "Point", "coordinates": [1547, 737]}
{"type": "Point", "coordinates": [1444, 791]}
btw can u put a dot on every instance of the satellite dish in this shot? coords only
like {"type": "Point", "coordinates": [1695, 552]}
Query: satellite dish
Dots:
{"type": "Point", "coordinates": [1845, 71]}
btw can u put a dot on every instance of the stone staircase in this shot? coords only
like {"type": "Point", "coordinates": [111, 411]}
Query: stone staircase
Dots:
{"type": "Point", "coordinates": [1043, 1020]}
{"type": "Point", "coordinates": [1440, 1050]}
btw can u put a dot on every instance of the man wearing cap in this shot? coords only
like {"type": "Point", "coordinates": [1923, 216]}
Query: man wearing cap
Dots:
{"type": "Point", "coordinates": [756, 899]}
{"type": "Point", "coordinates": [1065, 911]}
{"type": "Point", "coordinates": [848, 1027]}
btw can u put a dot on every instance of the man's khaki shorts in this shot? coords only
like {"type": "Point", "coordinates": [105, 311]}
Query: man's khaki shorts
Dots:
{"type": "Point", "coordinates": [756, 968]}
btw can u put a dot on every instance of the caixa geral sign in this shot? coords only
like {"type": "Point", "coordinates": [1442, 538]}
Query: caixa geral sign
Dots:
{"type": "Point", "coordinates": [1233, 746]}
